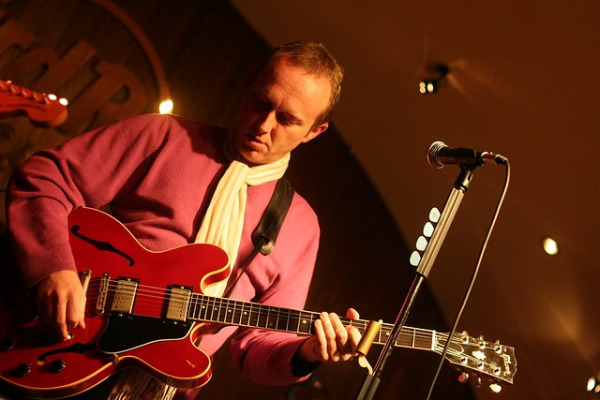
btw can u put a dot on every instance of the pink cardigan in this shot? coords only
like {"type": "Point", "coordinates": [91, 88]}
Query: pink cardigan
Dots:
{"type": "Point", "coordinates": [158, 173]}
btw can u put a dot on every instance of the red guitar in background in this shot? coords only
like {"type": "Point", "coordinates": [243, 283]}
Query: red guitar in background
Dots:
{"type": "Point", "coordinates": [41, 108]}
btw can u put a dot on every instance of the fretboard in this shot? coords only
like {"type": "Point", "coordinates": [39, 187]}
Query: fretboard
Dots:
{"type": "Point", "coordinates": [255, 315]}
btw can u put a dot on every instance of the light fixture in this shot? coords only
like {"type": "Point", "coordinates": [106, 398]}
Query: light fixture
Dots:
{"type": "Point", "coordinates": [593, 384]}
{"type": "Point", "coordinates": [437, 79]}
{"type": "Point", "coordinates": [166, 106]}
{"type": "Point", "coordinates": [550, 246]}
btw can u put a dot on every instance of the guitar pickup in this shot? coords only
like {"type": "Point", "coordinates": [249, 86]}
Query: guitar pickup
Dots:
{"type": "Point", "coordinates": [124, 297]}
{"type": "Point", "coordinates": [178, 301]}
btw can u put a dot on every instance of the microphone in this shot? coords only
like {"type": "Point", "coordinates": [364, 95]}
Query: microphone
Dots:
{"type": "Point", "coordinates": [439, 155]}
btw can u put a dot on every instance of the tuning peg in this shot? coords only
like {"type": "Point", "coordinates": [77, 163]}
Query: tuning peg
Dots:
{"type": "Point", "coordinates": [463, 377]}
{"type": "Point", "coordinates": [434, 215]}
{"type": "Point", "coordinates": [498, 347]}
{"type": "Point", "coordinates": [495, 387]}
{"type": "Point", "coordinates": [465, 337]}
{"type": "Point", "coordinates": [481, 342]}
{"type": "Point", "coordinates": [415, 259]}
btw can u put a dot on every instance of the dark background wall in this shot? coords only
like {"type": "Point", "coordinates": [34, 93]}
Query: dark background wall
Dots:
{"type": "Point", "coordinates": [89, 53]}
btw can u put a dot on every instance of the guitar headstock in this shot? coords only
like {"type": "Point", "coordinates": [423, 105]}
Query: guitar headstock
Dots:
{"type": "Point", "coordinates": [41, 108]}
{"type": "Point", "coordinates": [481, 358]}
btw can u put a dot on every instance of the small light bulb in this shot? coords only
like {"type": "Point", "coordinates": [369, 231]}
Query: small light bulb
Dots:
{"type": "Point", "coordinates": [550, 246]}
{"type": "Point", "coordinates": [591, 384]}
{"type": "Point", "coordinates": [166, 106]}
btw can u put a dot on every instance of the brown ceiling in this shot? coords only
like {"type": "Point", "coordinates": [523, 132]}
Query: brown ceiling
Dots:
{"type": "Point", "coordinates": [523, 82]}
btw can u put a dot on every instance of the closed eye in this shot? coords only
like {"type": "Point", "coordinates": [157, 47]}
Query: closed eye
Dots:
{"type": "Point", "coordinates": [287, 119]}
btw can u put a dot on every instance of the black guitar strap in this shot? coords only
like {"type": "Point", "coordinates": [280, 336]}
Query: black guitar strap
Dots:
{"type": "Point", "coordinates": [265, 234]}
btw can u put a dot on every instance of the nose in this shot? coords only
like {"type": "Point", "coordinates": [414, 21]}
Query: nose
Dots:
{"type": "Point", "coordinates": [265, 122]}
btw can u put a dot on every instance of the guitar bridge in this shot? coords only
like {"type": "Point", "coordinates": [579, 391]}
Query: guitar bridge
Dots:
{"type": "Point", "coordinates": [102, 294]}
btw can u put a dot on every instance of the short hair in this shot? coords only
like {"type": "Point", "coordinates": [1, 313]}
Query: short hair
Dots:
{"type": "Point", "coordinates": [317, 60]}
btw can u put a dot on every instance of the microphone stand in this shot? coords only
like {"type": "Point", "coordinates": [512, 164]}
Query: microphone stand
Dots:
{"type": "Point", "coordinates": [448, 213]}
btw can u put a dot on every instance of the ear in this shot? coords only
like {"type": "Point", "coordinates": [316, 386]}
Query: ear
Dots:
{"type": "Point", "coordinates": [316, 131]}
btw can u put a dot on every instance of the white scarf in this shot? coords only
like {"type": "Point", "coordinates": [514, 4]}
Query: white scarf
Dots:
{"type": "Point", "coordinates": [224, 220]}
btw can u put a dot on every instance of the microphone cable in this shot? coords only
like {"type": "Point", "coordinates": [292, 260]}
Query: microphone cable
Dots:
{"type": "Point", "coordinates": [472, 280]}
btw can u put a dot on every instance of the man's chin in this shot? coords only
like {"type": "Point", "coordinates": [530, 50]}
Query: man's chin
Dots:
{"type": "Point", "coordinates": [252, 158]}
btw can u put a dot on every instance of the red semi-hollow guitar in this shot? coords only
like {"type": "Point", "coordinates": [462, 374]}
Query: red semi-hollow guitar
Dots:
{"type": "Point", "coordinates": [145, 309]}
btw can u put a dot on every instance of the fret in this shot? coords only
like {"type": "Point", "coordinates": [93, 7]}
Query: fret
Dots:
{"type": "Point", "coordinates": [248, 314]}
{"type": "Point", "coordinates": [228, 311]}
{"type": "Point", "coordinates": [241, 314]}
{"type": "Point", "coordinates": [214, 315]}
{"type": "Point", "coordinates": [237, 312]}
{"type": "Point", "coordinates": [262, 317]}
{"type": "Point", "coordinates": [254, 316]}
{"type": "Point", "coordinates": [203, 308]}
{"type": "Point", "coordinates": [293, 321]}
{"type": "Point", "coordinates": [194, 307]}
{"type": "Point", "coordinates": [281, 323]}
{"type": "Point", "coordinates": [221, 311]}
{"type": "Point", "coordinates": [303, 323]}
{"type": "Point", "coordinates": [269, 322]}
{"type": "Point", "coordinates": [212, 308]}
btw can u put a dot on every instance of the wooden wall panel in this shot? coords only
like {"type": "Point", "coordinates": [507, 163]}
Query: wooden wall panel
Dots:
{"type": "Point", "coordinates": [205, 49]}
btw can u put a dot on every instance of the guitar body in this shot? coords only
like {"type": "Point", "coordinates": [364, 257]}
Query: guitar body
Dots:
{"type": "Point", "coordinates": [131, 294]}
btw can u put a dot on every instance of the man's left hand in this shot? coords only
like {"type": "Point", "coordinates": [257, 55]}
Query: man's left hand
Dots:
{"type": "Point", "coordinates": [332, 340]}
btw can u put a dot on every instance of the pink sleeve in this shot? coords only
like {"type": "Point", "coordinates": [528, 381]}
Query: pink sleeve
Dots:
{"type": "Point", "coordinates": [265, 356]}
{"type": "Point", "coordinates": [89, 170]}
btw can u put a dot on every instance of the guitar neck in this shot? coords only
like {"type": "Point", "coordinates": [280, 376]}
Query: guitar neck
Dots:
{"type": "Point", "coordinates": [255, 315]}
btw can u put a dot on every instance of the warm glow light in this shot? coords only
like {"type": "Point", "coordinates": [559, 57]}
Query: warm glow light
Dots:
{"type": "Point", "coordinates": [166, 107]}
{"type": "Point", "coordinates": [550, 246]}
{"type": "Point", "coordinates": [591, 385]}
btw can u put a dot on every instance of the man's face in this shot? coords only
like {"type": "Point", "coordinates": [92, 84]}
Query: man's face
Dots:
{"type": "Point", "coordinates": [279, 111]}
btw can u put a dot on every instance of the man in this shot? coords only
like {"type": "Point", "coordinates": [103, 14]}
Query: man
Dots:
{"type": "Point", "coordinates": [172, 181]}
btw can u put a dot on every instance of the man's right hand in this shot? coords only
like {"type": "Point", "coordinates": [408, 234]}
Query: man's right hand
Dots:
{"type": "Point", "coordinates": [61, 302]}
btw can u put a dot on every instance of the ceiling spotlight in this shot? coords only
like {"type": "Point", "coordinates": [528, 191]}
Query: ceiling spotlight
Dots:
{"type": "Point", "coordinates": [550, 246]}
{"type": "Point", "coordinates": [166, 106]}
{"type": "Point", "coordinates": [593, 385]}
{"type": "Point", "coordinates": [438, 78]}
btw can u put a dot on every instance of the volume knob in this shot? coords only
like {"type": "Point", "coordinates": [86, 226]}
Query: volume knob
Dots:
{"type": "Point", "coordinates": [57, 366]}
{"type": "Point", "coordinates": [22, 370]}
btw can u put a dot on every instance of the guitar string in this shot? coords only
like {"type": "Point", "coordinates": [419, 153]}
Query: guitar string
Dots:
{"type": "Point", "coordinates": [160, 294]}
{"type": "Point", "coordinates": [239, 306]}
